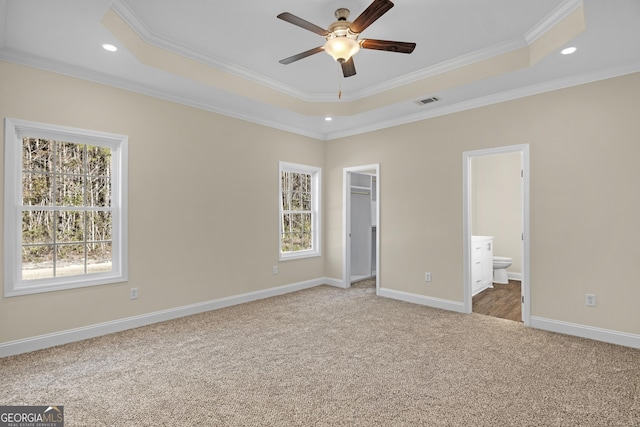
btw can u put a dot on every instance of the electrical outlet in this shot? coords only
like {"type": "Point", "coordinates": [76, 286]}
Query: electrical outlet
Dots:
{"type": "Point", "coordinates": [133, 293]}
{"type": "Point", "coordinates": [427, 277]}
{"type": "Point", "coordinates": [274, 269]}
{"type": "Point", "coordinates": [591, 300]}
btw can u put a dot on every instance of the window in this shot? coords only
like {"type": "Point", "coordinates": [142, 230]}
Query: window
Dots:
{"type": "Point", "coordinates": [65, 208]}
{"type": "Point", "coordinates": [299, 211]}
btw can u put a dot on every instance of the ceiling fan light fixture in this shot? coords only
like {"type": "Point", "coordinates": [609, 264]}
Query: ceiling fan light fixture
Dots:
{"type": "Point", "coordinates": [341, 48]}
{"type": "Point", "coordinates": [341, 38]}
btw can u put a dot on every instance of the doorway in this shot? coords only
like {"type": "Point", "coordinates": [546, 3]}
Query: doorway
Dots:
{"type": "Point", "coordinates": [361, 224]}
{"type": "Point", "coordinates": [512, 242]}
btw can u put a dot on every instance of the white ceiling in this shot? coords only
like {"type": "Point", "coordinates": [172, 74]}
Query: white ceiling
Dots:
{"type": "Point", "coordinates": [232, 50]}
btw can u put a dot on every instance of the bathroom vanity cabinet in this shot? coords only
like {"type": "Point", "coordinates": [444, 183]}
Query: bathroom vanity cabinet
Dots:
{"type": "Point", "coordinates": [481, 263]}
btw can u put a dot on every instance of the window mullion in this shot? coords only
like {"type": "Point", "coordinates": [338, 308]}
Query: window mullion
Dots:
{"type": "Point", "coordinates": [54, 197]}
{"type": "Point", "coordinates": [47, 227]}
{"type": "Point", "coordinates": [299, 186]}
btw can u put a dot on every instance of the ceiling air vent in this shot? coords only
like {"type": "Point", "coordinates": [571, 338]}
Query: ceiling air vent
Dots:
{"type": "Point", "coordinates": [427, 100]}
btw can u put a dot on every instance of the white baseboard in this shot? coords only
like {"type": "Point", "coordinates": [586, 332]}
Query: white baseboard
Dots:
{"type": "Point", "coordinates": [338, 283]}
{"type": "Point", "coordinates": [590, 332]}
{"type": "Point", "coordinates": [422, 300]}
{"type": "Point", "coordinates": [71, 335]}
{"type": "Point", "coordinates": [514, 276]}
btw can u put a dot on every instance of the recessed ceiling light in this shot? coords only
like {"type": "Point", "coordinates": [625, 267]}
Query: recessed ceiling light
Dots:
{"type": "Point", "coordinates": [109, 47]}
{"type": "Point", "coordinates": [568, 50]}
{"type": "Point", "coordinates": [328, 119]}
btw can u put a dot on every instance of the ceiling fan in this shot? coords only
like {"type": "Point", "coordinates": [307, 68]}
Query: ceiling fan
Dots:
{"type": "Point", "coordinates": [342, 36]}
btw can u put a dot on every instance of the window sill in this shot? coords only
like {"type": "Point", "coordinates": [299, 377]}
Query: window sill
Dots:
{"type": "Point", "coordinates": [42, 286]}
{"type": "Point", "coordinates": [298, 255]}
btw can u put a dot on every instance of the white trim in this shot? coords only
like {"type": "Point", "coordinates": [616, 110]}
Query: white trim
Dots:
{"type": "Point", "coordinates": [132, 86]}
{"type": "Point", "coordinates": [523, 149]}
{"type": "Point", "coordinates": [338, 283]}
{"type": "Point", "coordinates": [15, 130]}
{"type": "Point", "coordinates": [584, 331]}
{"type": "Point", "coordinates": [494, 98]}
{"type": "Point", "coordinates": [440, 303]}
{"type": "Point", "coordinates": [316, 209]}
{"type": "Point", "coordinates": [154, 39]}
{"type": "Point", "coordinates": [151, 38]}
{"type": "Point", "coordinates": [209, 105]}
{"type": "Point", "coordinates": [554, 18]}
{"type": "Point", "coordinates": [567, 328]}
{"type": "Point", "coordinates": [146, 35]}
{"type": "Point", "coordinates": [547, 23]}
{"type": "Point", "coordinates": [441, 68]}
{"type": "Point", "coordinates": [514, 276]}
{"type": "Point", "coordinates": [26, 345]}
{"type": "Point", "coordinates": [11, 348]}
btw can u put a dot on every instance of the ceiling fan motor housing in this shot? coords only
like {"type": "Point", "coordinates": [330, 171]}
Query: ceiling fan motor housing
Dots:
{"type": "Point", "coordinates": [342, 14]}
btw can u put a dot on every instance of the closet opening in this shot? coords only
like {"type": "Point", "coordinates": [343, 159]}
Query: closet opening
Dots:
{"type": "Point", "coordinates": [361, 216]}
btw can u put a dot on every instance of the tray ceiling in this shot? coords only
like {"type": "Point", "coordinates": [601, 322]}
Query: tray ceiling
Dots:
{"type": "Point", "coordinates": [224, 57]}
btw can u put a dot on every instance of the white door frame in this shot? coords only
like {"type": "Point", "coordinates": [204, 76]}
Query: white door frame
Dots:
{"type": "Point", "coordinates": [467, 217]}
{"type": "Point", "coordinates": [346, 222]}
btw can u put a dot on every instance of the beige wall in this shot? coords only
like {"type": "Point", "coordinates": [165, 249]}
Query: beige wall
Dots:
{"type": "Point", "coordinates": [193, 238]}
{"type": "Point", "coordinates": [585, 204]}
{"type": "Point", "coordinates": [496, 204]}
{"type": "Point", "coordinates": [203, 194]}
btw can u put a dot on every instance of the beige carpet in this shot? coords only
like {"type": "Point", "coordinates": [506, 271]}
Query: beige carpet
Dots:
{"type": "Point", "coordinates": [331, 357]}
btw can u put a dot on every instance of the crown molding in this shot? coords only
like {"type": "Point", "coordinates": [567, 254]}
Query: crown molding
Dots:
{"type": "Point", "coordinates": [138, 26]}
{"type": "Point", "coordinates": [555, 17]}
{"type": "Point", "coordinates": [563, 10]}
{"type": "Point", "coordinates": [483, 101]}
{"type": "Point", "coordinates": [101, 78]}
{"type": "Point", "coordinates": [146, 35]}
{"type": "Point", "coordinates": [120, 83]}
{"type": "Point", "coordinates": [443, 67]}
{"type": "Point", "coordinates": [154, 39]}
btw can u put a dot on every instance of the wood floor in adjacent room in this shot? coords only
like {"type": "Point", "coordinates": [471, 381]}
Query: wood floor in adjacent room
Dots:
{"type": "Point", "coordinates": [503, 300]}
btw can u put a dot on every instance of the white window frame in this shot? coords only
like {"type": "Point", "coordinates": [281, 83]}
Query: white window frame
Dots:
{"type": "Point", "coordinates": [15, 130]}
{"type": "Point", "coordinates": [316, 179]}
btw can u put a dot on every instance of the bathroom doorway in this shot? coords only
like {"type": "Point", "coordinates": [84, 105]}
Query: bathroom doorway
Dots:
{"type": "Point", "coordinates": [496, 213]}
{"type": "Point", "coordinates": [361, 213]}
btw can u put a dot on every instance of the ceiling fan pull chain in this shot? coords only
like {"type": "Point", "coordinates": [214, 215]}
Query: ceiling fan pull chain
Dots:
{"type": "Point", "coordinates": [342, 36]}
{"type": "Point", "coordinates": [339, 81]}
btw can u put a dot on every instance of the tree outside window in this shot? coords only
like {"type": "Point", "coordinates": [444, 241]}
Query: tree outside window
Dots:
{"type": "Point", "coordinates": [299, 202]}
{"type": "Point", "coordinates": [66, 200]}
{"type": "Point", "coordinates": [65, 207]}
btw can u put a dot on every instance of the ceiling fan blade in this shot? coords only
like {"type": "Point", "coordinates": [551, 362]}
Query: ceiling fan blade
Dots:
{"type": "Point", "coordinates": [301, 55]}
{"type": "Point", "coordinates": [370, 15]}
{"type": "Point", "coordinates": [388, 45]}
{"type": "Point", "coordinates": [292, 19]}
{"type": "Point", "coordinates": [348, 68]}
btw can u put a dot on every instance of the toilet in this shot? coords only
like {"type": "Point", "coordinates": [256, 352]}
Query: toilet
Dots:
{"type": "Point", "coordinates": [500, 265]}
